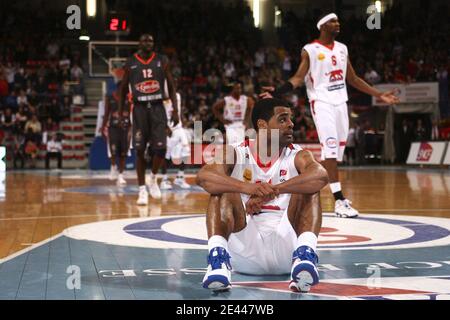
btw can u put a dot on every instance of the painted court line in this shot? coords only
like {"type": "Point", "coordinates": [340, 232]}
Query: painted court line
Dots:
{"type": "Point", "coordinates": [26, 250]}
{"type": "Point", "coordinates": [94, 215]}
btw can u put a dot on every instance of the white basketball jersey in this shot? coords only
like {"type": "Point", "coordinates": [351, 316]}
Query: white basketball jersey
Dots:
{"type": "Point", "coordinates": [169, 111]}
{"type": "Point", "coordinates": [249, 169]}
{"type": "Point", "coordinates": [235, 109]}
{"type": "Point", "coordinates": [325, 80]}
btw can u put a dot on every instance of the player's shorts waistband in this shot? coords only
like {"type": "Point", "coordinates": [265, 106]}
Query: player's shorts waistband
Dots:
{"type": "Point", "coordinates": [149, 104]}
{"type": "Point", "coordinates": [334, 104]}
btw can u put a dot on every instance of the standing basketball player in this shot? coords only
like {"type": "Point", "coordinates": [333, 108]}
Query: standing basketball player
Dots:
{"type": "Point", "coordinates": [234, 111]}
{"type": "Point", "coordinates": [117, 130]}
{"type": "Point", "coordinates": [146, 73]}
{"type": "Point", "coordinates": [325, 68]}
{"type": "Point", "coordinates": [266, 217]}
{"type": "Point", "coordinates": [178, 148]}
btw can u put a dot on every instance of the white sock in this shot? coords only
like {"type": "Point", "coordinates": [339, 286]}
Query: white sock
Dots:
{"type": "Point", "coordinates": [335, 187]}
{"type": "Point", "coordinates": [113, 168]}
{"type": "Point", "coordinates": [217, 241]}
{"type": "Point", "coordinates": [120, 175]}
{"type": "Point", "coordinates": [307, 239]}
{"type": "Point", "coordinates": [142, 188]}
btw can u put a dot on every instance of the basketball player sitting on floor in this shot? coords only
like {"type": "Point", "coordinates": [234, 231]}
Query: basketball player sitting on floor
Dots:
{"type": "Point", "coordinates": [266, 218]}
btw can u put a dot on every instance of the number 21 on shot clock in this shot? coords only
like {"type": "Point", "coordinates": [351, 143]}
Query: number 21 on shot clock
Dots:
{"type": "Point", "coordinates": [118, 23]}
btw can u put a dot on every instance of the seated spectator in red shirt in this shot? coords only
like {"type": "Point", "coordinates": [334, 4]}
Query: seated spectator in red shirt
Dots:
{"type": "Point", "coordinates": [31, 148]}
{"type": "Point", "coordinates": [412, 69]}
{"type": "Point", "coordinates": [311, 133]}
{"type": "Point", "coordinates": [399, 76]}
{"type": "Point", "coordinates": [4, 87]}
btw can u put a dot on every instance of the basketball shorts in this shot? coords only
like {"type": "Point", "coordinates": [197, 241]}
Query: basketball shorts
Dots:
{"type": "Point", "coordinates": [118, 142]}
{"type": "Point", "coordinates": [260, 253]}
{"type": "Point", "coordinates": [235, 133]}
{"type": "Point", "coordinates": [332, 126]}
{"type": "Point", "coordinates": [149, 126]}
{"type": "Point", "coordinates": [178, 145]}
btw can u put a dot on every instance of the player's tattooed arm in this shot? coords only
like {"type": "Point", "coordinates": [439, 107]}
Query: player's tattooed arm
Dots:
{"type": "Point", "coordinates": [388, 97]}
{"type": "Point", "coordinates": [311, 179]}
{"type": "Point", "coordinates": [216, 179]}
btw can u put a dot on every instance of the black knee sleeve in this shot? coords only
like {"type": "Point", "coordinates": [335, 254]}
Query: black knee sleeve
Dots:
{"type": "Point", "coordinates": [160, 153]}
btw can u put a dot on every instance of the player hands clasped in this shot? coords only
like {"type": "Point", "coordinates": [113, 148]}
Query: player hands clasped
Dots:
{"type": "Point", "coordinates": [117, 131]}
{"type": "Point", "coordinates": [146, 73]}
{"type": "Point", "coordinates": [264, 218]}
{"type": "Point", "coordinates": [325, 68]}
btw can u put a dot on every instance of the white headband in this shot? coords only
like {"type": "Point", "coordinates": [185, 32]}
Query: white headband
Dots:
{"type": "Point", "coordinates": [326, 19]}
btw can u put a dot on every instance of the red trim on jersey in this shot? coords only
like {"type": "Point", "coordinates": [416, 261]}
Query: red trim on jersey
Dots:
{"type": "Point", "coordinates": [143, 61]}
{"type": "Point", "coordinates": [331, 46]}
{"type": "Point", "coordinates": [271, 208]}
{"type": "Point", "coordinates": [342, 143]}
{"type": "Point", "coordinates": [264, 166]}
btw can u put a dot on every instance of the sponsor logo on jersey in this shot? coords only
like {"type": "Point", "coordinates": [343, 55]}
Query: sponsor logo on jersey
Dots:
{"type": "Point", "coordinates": [336, 75]}
{"type": "Point", "coordinates": [425, 152]}
{"type": "Point", "coordinates": [321, 57]}
{"type": "Point", "coordinates": [148, 87]}
{"type": "Point", "coordinates": [331, 143]}
{"type": "Point", "coordinates": [336, 87]}
{"type": "Point", "coordinates": [247, 175]}
{"type": "Point", "coordinates": [283, 173]}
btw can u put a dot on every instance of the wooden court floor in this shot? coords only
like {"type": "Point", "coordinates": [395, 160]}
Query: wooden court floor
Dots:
{"type": "Point", "coordinates": [35, 206]}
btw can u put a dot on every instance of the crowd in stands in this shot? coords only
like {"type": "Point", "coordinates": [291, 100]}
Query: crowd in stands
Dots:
{"type": "Point", "coordinates": [212, 45]}
{"type": "Point", "coordinates": [222, 46]}
{"type": "Point", "coordinates": [39, 75]}
{"type": "Point", "coordinates": [411, 46]}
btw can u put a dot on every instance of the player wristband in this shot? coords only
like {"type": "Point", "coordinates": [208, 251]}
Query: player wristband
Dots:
{"type": "Point", "coordinates": [285, 88]}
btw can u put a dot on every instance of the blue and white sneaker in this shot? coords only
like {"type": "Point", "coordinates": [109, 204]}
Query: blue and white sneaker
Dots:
{"type": "Point", "coordinates": [218, 275]}
{"type": "Point", "coordinates": [304, 272]}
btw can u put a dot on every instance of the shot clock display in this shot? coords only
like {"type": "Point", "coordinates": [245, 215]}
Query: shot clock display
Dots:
{"type": "Point", "coordinates": [118, 23]}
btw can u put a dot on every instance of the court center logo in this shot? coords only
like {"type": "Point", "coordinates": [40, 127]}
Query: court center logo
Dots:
{"type": "Point", "coordinates": [189, 232]}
